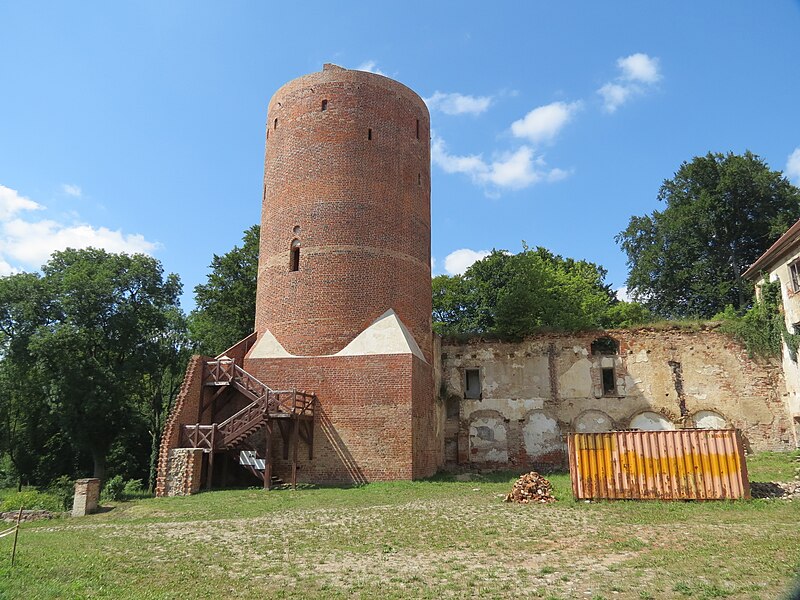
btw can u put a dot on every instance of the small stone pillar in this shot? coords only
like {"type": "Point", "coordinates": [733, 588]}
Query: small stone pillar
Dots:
{"type": "Point", "coordinates": [87, 495]}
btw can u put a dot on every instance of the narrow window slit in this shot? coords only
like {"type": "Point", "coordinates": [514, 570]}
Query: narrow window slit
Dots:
{"type": "Point", "coordinates": [369, 134]}
{"type": "Point", "coordinates": [275, 123]}
{"type": "Point", "coordinates": [324, 105]}
{"type": "Point", "coordinates": [294, 256]}
{"type": "Point", "coordinates": [417, 128]}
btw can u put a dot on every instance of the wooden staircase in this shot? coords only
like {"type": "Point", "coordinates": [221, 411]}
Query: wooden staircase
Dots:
{"type": "Point", "coordinates": [266, 406]}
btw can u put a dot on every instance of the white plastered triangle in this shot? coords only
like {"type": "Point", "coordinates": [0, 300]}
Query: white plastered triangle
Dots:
{"type": "Point", "coordinates": [268, 347]}
{"type": "Point", "coordinates": [386, 335]}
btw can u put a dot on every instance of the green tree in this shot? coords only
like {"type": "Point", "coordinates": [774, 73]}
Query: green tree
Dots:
{"type": "Point", "coordinates": [226, 304]}
{"type": "Point", "coordinates": [449, 303]}
{"type": "Point", "coordinates": [160, 385]}
{"type": "Point", "coordinates": [95, 334]}
{"type": "Point", "coordinates": [546, 291]}
{"type": "Point", "coordinates": [513, 295]}
{"type": "Point", "coordinates": [722, 212]}
{"type": "Point", "coordinates": [625, 314]}
{"type": "Point", "coordinates": [29, 433]}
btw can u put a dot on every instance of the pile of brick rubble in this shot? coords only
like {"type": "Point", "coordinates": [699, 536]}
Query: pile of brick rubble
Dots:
{"type": "Point", "coordinates": [531, 488]}
{"type": "Point", "coordinates": [783, 490]}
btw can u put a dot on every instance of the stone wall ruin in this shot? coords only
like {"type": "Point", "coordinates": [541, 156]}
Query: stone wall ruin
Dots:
{"type": "Point", "coordinates": [534, 392]}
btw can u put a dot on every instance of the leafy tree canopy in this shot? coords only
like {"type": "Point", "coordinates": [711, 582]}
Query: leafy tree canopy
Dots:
{"type": "Point", "coordinates": [722, 212]}
{"type": "Point", "coordinates": [79, 341]}
{"type": "Point", "coordinates": [226, 304]}
{"type": "Point", "coordinates": [513, 295]}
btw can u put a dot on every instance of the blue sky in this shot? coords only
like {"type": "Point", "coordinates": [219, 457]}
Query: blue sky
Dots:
{"type": "Point", "coordinates": [139, 126]}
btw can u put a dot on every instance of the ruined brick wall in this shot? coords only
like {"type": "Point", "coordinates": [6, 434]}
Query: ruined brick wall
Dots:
{"type": "Point", "coordinates": [184, 412]}
{"type": "Point", "coordinates": [351, 184]}
{"type": "Point", "coordinates": [364, 424]}
{"type": "Point", "coordinates": [534, 392]}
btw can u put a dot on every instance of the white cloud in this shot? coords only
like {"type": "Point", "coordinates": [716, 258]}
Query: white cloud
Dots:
{"type": "Point", "coordinates": [622, 294]}
{"type": "Point", "coordinates": [11, 203]}
{"type": "Point", "coordinates": [542, 124]}
{"type": "Point", "coordinates": [29, 243]}
{"type": "Point", "coordinates": [793, 166]}
{"type": "Point", "coordinates": [513, 170]}
{"type": "Point", "coordinates": [371, 66]}
{"type": "Point", "coordinates": [459, 261]}
{"type": "Point", "coordinates": [71, 190]}
{"type": "Point", "coordinates": [639, 67]}
{"type": "Point", "coordinates": [615, 95]}
{"type": "Point", "coordinates": [6, 269]}
{"type": "Point", "coordinates": [458, 104]}
{"type": "Point", "coordinates": [471, 164]}
{"type": "Point", "coordinates": [638, 73]}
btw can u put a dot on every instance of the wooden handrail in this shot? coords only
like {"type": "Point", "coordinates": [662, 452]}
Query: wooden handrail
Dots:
{"type": "Point", "coordinates": [266, 401]}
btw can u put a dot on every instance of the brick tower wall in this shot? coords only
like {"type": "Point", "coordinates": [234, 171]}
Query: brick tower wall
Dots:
{"type": "Point", "coordinates": [365, 428]}
{"type": "Point", "coordinates": [351, 185]}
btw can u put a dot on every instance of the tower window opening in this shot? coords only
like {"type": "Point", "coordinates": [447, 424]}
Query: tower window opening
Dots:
{"type": "Point", "coordinates": [324, 105]}
{"type": "Point", "coordinates": [275, 123]}
{"type": "Point", "coordinates": [294, 256]}
{"type": "Point", "coordinates": [369, 134]}
{"type": "Point", "coordinates": [417, 128]}
{"type": "Point", "coordinates": [609, 382]}
{"type": "Point", "coordinates": [419, 179]}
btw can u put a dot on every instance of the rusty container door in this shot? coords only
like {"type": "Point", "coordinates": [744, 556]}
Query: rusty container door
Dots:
{"type": "Point", "coordinates": [683, 464]}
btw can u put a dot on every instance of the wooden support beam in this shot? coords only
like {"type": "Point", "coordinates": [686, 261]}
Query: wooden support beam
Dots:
{"type": "Point", "coordinates": [210, 474]}
{"type": "Point", "coordinates": [268, 455]}
{"type": "Point", "coordinates": [310, 439]}
{"type": "Point", "coordinates": [285, 435]}
{"type": "Point", "coordinates": [295, 443]}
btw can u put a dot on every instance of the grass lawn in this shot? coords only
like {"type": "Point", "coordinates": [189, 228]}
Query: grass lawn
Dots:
{"type": "Point", "coordinates": [429, 539]}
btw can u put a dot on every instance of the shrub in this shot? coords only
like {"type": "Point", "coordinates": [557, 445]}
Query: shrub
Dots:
{"type": "Point", "coordinates": [114, 488]}
{"type": "Point", "coordinates": [31, 499]}
{"type": "Point", "coordinates": [63, 488]}
{"type": "Point", "coordinates": [762, 328]}
{"type": "Point", "coordinates": [133, 488]}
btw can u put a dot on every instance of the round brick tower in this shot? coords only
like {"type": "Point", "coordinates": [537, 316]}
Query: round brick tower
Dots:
{"type": "Point", "coordinates": [345, 220]}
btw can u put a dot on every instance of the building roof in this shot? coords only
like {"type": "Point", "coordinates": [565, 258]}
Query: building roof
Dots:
{"type": "Point", "coordinates": [786, 244]}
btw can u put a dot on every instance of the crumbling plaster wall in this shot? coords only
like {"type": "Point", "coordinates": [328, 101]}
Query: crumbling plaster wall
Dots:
{"type": "Point", "coordinates": [533, 392]}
